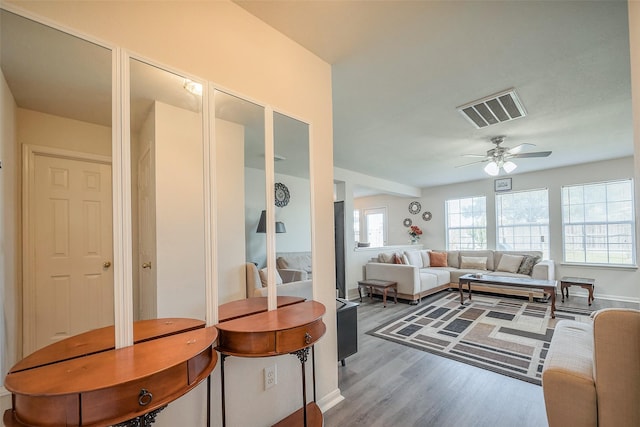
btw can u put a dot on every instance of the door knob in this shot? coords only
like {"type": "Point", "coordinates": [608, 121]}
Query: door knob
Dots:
{"type": "Point", "coordinates": [146, 264]}
{"type": "Point", "coordinates": [107, 264]}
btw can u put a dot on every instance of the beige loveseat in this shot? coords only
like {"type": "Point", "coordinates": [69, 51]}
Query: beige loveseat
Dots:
{"type": "Point", "coordinates": [296, 285]}
{"type": "Point", "coordinates": [591, 375]}
{"type": "Point", "coordinates": [417, 278]}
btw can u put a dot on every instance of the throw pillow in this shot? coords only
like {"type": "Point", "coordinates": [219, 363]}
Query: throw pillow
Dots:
{"type": "Point", "coordinates": [386, 258]}
{"type": "Point", "coordinates": [510, 263]}
{"type": "Point", "coordinates": [263, 277]}
{"type": "Point", "coordinates": [414, 258]}
{"type": "Point", "coordinates": [397, 259]}
{"type": "Point", "coordinates": [473, 262]}
{"type": "Point", "coordinates": [526, 267]}
{"type": "Point", "coordinates": [425, 257]}
{"type": "Point", "coordinates": [438, 259]}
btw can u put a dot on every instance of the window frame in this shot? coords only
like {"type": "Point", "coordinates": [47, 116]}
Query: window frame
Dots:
{"type": "Point", "coordinates": [546, 250]}
{"type": "Point", "coordinates": [385, 228]}
{"type": "Point", "coordinates": [606, 224]}
{"type": "Point", "coordinates": [448, 228]}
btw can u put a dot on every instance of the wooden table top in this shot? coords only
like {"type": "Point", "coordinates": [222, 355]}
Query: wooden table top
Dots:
{"type": "Point", "coordinates": [521, 282]}
{"type": "Point", "coordinates": [103, 339]}
{"type": "Point", "coordinates": [288, 317]}
{"type": "Point", "coordinates": [110, 368]}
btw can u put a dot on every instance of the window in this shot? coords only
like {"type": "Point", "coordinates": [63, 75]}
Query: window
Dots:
{"type": "Point", "coordinates": [522, 221]}
{"type": "Point", "coordinates": [598, 223]}
{"type": "Point", "coordinates": [356, 225]}
{"type": "Point", "coordinates": [375, 222]}
{"type": "Point", "coordinates": [467, 223]}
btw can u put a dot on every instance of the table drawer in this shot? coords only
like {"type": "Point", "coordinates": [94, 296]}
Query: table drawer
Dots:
{"type": "Point", "coordinates": [125, 400]}
{"type": "Point", "coordinates": [290, 340]}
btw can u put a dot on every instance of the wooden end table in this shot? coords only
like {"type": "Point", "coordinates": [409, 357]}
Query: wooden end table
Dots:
{"type": "Point", "coordinates": [584, 283]}
{"type": "Point", "coordinates": [382, 286]}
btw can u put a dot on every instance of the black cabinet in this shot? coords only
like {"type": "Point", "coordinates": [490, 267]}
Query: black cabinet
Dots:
{"type": "Point", "coordinates": [347, 313]}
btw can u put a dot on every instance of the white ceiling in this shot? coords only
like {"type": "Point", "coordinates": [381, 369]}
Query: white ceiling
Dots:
{"type": "Point", "coordinates": [400, 69]}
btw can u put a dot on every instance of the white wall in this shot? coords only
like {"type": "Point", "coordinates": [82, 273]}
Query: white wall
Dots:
{"type": "Point", "coordinates": [230, 181]}
{"type": "Point", "coordinates": [179, 212]}
{"type": "Point", "coordinates": [619, 283]}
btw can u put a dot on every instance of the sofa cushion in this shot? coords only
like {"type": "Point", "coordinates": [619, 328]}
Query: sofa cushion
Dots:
{"type": "Point", "coordinates": [414, 258]}
{"type": "Point", "coordinates": [510, 263]}
{"type": "Point", "coordinates": [263, 277]}
{"type": "Point", "coordinates": [438, 259]}
{"type": "Point", "coordinates": [443, 274]}
{"type": "Point", "coordinates": [526, 266]}
{"type": "Point", "coordinates": [473, 262]}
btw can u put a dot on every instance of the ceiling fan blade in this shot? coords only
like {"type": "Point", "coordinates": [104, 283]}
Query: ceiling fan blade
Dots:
{"type": "Point", "coordinates": [536, 154]}
{"type": "Point", "coordinates": [519, 148]}
{"type": "Point", "coordinates": [473, 163]}
{"type": "Point", "coordinates": [474, 155]}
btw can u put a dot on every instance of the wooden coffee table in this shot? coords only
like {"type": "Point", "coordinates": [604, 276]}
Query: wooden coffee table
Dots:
{"type": "Point", "coordinates": [382, 286]}
{"type": "Point", "coordinates": [583, 282]}
{"type": "Point", "coordinates": [548, 286]}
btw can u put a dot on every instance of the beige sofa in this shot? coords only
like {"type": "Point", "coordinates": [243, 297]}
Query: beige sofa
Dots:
{"type": "Point", "coordinates": [591, 375]}
{"type": "Point", "coordinates": [296, 284]}
{"type": "Point", "coordinates": [416, 278]}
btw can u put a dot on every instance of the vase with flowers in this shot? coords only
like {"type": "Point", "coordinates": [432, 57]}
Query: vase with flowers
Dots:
{"type": "Point", "coordinates": [415, 232]}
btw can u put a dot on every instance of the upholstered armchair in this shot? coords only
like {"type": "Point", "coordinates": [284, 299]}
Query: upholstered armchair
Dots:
{"type": "Point", "coordinates": [591, 375]}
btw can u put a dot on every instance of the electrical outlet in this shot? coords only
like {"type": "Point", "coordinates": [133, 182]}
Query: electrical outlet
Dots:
{"type": "Point", "coordinates": [270, 377]}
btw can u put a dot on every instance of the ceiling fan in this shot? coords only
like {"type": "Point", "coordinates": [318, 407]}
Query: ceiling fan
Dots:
{"type": "Point", "coordinates": [500, 157]}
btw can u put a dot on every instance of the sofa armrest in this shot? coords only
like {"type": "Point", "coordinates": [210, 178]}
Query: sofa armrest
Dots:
{"type": "Point", "coordinates": [292, 275]}
{"type": "Point", "coordinates": [407, 276]}
{"type": "Point", "coordinates": [544, 270]}
{"type": "Point", "coordinates": [567, 377]}
{"type": "Point", "coordinates": [617, 366]}
{"type": "Point", "coordinates": [302, 288]}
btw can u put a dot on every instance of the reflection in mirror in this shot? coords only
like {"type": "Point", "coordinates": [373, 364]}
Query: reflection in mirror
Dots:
{"type": "Point", "coordinates": [293, 206]}
{"type": "Point", "coordinates": [57, 98]}
{"type": "Point", "coordinates": [167, 194]}
{"type": "Point", "coordinates": [240, 176]}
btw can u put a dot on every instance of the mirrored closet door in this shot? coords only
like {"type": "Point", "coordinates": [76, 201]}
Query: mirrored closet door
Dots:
{"type": "Point", "coordinates": [61, 88]}
{"type": "Point", "coordinates": [167, 190]}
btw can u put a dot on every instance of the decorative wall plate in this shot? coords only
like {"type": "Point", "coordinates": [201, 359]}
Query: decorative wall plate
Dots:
{"type": "Point", "coordinates": [414, 208]}
{"type": "Point", "coordinates": [282, 195]}
{"type": "Point", "coordinates": [407, 222]}
{"type": "Point", "coordinates": [427, 216]}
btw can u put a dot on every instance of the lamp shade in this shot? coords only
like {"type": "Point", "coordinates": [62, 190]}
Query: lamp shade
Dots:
{"type": "Point", "coordinates": [492, 168]}
{"type": "Point", "coordinates": [509, 167]}
{"type": "Point", "coordinates": [262, 224]}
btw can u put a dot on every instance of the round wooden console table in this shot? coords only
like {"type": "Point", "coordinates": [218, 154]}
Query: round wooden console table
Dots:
{"type": "Point", "coordinates": [85, 381]}
{"type": "Point", "coordinates": [293, 328]}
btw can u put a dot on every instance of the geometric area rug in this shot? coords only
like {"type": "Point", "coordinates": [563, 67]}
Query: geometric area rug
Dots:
{"type": "Point", "coordinates": [507, 335]}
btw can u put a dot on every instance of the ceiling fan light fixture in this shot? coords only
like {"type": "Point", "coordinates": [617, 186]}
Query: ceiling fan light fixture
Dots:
{"type": "Point", "coordinates": [509, 166]}
{"type": "Point", "coordinates": [492, 169]}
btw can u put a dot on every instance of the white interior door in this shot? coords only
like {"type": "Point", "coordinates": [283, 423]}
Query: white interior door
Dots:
{"type": "Point", "coordinates": [147, 235]}
{"type": "Point", "coordinates": [71, 286]}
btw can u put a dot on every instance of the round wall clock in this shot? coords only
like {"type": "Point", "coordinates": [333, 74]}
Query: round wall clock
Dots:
{"type": "Point", "coordinates": [407, 222]}
{"type": "Point", "coordinates": [282, 195]}
{"type": "Point", "coordinates": [427, 216]}
{"type": "Point", "coordinates": [414, 207]}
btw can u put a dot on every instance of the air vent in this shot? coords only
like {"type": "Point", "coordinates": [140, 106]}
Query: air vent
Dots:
{"type": "Point", "coordinates": [494, 109]}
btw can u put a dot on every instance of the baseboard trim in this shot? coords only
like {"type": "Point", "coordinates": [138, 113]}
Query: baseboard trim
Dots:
{"type": "Point", "coordinates": [330, 400]}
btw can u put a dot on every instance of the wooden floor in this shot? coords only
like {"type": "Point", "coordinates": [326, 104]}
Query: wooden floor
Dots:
{"type": "Point", "coordinates": [388, 384]}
